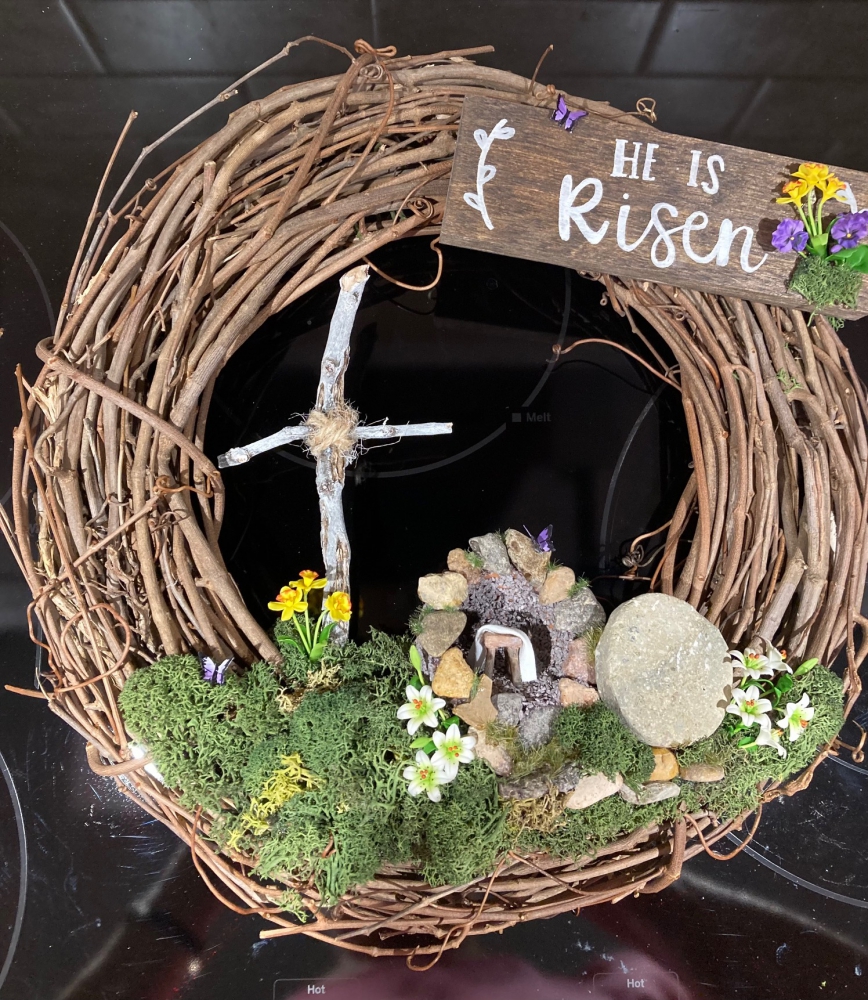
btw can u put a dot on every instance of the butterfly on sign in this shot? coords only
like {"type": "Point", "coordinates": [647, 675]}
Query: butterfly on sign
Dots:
{"type": "Point", "coordinates": [562, 114]}
{"type": "Point", "coordinates": [543, 541]}
{"type": "Point", "coordinates": [211, 672]}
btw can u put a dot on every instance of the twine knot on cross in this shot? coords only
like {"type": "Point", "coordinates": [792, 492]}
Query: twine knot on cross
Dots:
{"type": "Point", "coordinates": [335, 429]}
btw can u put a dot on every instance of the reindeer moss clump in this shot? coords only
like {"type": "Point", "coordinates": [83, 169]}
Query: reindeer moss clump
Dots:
{"type": "Point", "coordinates": [601, 742]}
{"type": "Point", "coordinates": [380, 662]}
{"type": "Point", "coordinates": [288, 778]}
{"type": "Point", "coordinates": [356, 744]}
{"type": "Point", "coordinates": [317, 787]}
{"type": "Point", "coordinates": [302, 767]}
{"type": "Point", "coordinates": [824, 282]}
{"type": "Point", "coordinates": [201, 736]}
{"type": "Point", "coordinates": [463, 839]}
{"type": "Point", "coordinates": [584, 831]}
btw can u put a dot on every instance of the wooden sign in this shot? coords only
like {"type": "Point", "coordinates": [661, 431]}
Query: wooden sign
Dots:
{"type": "Point", "coordinates": [622, 198]}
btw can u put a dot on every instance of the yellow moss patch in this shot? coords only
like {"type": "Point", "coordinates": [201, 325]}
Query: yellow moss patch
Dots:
{"type": "Point", "coordinates": [288, 780]}
{"type": "Point", "coordinates": [545, 814]}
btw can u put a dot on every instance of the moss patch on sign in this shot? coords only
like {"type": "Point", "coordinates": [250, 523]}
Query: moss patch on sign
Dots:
{"type": "Point", "coordinates": [825, 283]}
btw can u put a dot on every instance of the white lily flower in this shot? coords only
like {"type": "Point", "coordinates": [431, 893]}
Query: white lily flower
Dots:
{"type": "Point", "coordinates": [776, 661]}
{"type": "Point", "coordinates": [748, 705]}
{"type": "Point", "coordinates": [452, 749]}
{"type": "Point", "coordinates": [753, 665]}
{"type": "Point", "coordinates": [425, 776]}
{"type": "Point", "coordinates": [770, 736]}
{"type": "Point", "coordinates": [420, 709]}
{"type": "Point", "coordinates": [797, 717]}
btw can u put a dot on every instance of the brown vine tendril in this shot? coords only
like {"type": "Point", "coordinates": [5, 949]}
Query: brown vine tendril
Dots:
{"type": "Point", "coordinates": [413, 288]}
{"type": "Point", "coordinates": [559, 351]}
{"type": "Point", "coordinates": [538, 67]}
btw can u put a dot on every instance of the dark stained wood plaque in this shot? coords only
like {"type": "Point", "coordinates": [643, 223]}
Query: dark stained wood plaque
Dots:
{"type": "Point", "coordinates": [619, 197]}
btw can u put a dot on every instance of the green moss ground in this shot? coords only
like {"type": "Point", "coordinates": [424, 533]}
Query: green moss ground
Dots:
{"type": "Point", "coordinates": [597, 738]}
{"type": "Point", "coordinates": [824, 283]}
{"type": "Point", "coordinates": [223, 743]}
{"type": "Point", "coordinates": [201, 736]}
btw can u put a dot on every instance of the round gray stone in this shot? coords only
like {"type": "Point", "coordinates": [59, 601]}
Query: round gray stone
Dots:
{"type": "Point", "coordinates": [664, 669]}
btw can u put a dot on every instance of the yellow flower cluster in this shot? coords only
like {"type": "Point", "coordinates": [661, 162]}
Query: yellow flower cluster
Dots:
{"type": "Point", "coordinates": [810, 177]}
{"type": "Point", "coordinates": [293, 598]}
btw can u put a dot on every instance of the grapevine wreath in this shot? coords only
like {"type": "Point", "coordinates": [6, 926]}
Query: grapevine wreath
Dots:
{"type": "Point", "coordinates": [387, 796]}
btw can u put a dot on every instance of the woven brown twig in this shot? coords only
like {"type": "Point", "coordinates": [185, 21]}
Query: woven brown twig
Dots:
{"type": "Point", "coordinates": [109, 466]}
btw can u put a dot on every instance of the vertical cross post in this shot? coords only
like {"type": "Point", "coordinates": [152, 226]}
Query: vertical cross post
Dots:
{"type": "Point", "coordinates": [332, 419]}
{"type": "Point", "coordinates": [331, 465]}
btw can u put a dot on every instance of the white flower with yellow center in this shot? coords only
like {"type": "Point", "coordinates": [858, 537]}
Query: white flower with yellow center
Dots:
{"type": "Point", "coordinates": [797, 717]}
{"type": "Point", "coordinates": [770, 736]}
{"type": "Point", "coordinates": [452, 749]}
{"type": "Point", "coordinates": [748, 705]}
{"type": "Point", "coordinates": [777, 662]}
{"type": "Point", "coordinates": [420, 708]}
{"type": "Point", "coordinates": [753, 665]}
{"type": "Point", "coordinates": [425, 776]}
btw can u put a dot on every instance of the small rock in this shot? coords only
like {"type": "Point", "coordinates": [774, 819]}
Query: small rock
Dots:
{"type": "Point", "coordinates": [508, 708]}
{"type": "Point", "coordinates": [479, 711]}
{"type": "Point", "coordinates": [492, 551]}
{"type": "Point", "coordinates": [440, 630]}
{"type": "Point", "coordinates": [526, 557]}
{"type": "Point", "coordinates": [537, 727]}
{"type": "Point", "coordinates": [579, 663]}
{"type": "Point", "coordinates": [654, 792]}
{"type": "Point", "coordinates": [458, 562]}
{"type": "Point", "coordinates": [495, 756]}
{"type": "Point", "coordinates": [533, 786]}
{"type": "Point", "coordinates": [703, 772]}
{"type": "Point", "coordinates": [578, 614]}
{"type": "Point", "coordinates": [664, 669]}
{"type": "Point", "coordinates": [568, 777]}
{"type": "Point", "coordinates": [665, 765]}
{"type": "Point", "coordinates": [593, 788]}
{"type": "Point", "coordinates": [442, 590]}
{"type": "Point", "coordinates": [574, 693]}
{"type": "Point", "coordinates": [557, 585]}
{"type": "Point", "coordinates": [453, 678]}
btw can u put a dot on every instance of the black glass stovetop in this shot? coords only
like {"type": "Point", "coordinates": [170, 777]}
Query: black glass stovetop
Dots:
{"type": "Point", "coordinates": [97, 900]}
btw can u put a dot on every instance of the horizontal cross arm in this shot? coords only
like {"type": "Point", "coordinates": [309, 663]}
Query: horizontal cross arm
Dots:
{"type": "Point", "coordinates": [238, 456]}
{"type": "Point", "coordinates": [380, 431]}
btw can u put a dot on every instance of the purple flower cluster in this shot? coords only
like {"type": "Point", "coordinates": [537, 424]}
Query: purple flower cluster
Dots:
{"type": "Point", "coordinates": [790, 235]}
{"type": "Point", "coordinates": [849, 230]}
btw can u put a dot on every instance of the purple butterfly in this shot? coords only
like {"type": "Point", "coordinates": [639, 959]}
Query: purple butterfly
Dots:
{"type": "Point", "coordinates": [542, 541]}
{"type": "Point", "coordinates": [211, 672]}
{"type": "Point", "coordinates": [563, 114]}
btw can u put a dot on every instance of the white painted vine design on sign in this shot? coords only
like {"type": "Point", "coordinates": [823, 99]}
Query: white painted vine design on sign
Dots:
{"type": "Point", "coordinates": [485, 171]}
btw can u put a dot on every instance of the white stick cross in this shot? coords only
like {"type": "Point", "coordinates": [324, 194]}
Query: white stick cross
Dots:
{"type": "Point", "coordinates": [331, 468]}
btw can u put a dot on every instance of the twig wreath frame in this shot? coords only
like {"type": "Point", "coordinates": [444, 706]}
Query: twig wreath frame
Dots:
{"type": "Point", "coordinates": [117, 508]}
